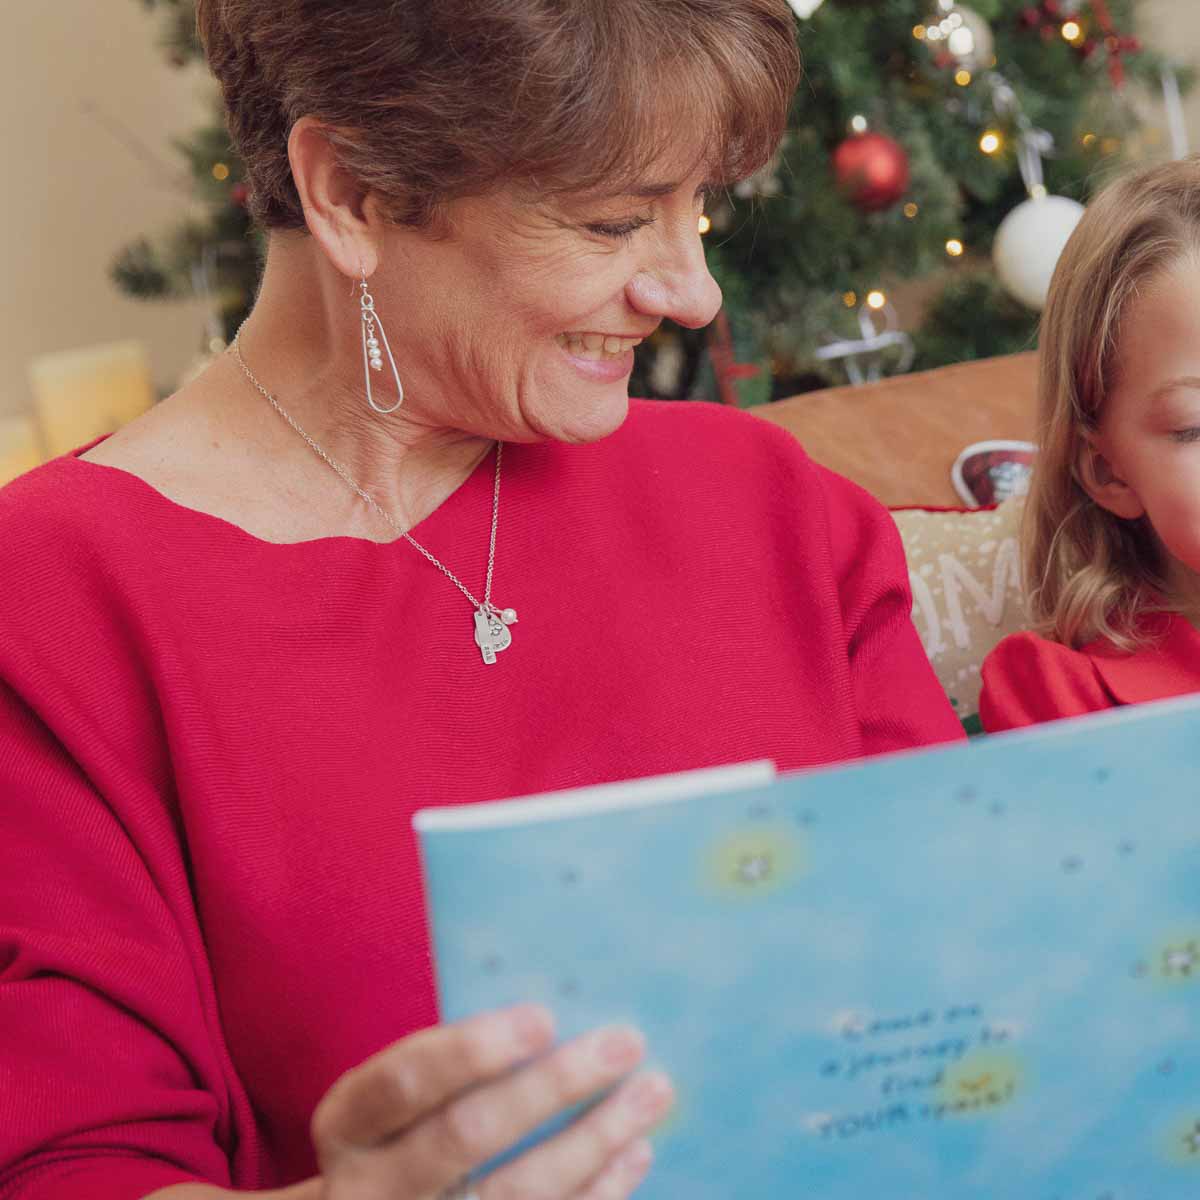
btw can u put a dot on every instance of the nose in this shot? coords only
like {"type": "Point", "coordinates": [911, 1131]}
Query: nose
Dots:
{"type": "Point", "coordinates": [678, 286]}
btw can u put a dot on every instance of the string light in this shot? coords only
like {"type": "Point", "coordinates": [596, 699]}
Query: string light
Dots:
{"type": "Point", "coordinates": [858, 123]}
{"type": "Point", "coordinates": [1072, 31]}
{"type": "Point", "coordinates": [962, 77]}
{"type": "Point", "coordinates": [704, 224]}
{"type": "Point", "coordinates": [990, 142]}
{"type": "Point", "coordinates": [1089, 139]}
{"type": "Point", "coordinates": [220, 172]}
{"type": "Point", "coordinates": [850, 299]}
{"type": "Point", "coordinates": [919, 32]}
{"type": "Point", "coordinates": [955, 248]}
{"type": "Point", "coordinates": [876, 299]}
{"type": "Point", "coordinates": [911, 210]}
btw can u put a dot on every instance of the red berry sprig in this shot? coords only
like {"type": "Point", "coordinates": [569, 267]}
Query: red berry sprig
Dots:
{"type": "Point", "coordinates": [1047, 18]}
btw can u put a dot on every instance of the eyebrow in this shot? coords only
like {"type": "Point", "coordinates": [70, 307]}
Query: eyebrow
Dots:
{"type": "Point", "coordinates": [1184, 381]}
{"type": "Point", "coordinates": [654, 191]}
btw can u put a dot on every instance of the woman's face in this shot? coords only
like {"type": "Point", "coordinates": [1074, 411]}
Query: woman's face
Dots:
{"type": "Point", "coordinates": [520, 322]}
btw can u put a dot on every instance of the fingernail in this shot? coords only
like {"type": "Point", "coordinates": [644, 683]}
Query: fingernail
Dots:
{"type": "Point", "coordinates": [621, 1048]}
{"type": "Point", "coordinates": [532, 1024]}
{"type": "Point", "coordinates": [637, 1158]}
{"type": "Point", "coordinates": [652, 1094]}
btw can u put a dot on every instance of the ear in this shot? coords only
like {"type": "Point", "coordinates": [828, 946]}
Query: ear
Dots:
{"type": "Point", "coordinates": [342, 216]}
{"type": "Point", "coordinates": [1101, 480]}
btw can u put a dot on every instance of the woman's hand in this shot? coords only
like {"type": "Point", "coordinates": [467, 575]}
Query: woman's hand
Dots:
{"type": "Point", "coordinates": [414, 1119]}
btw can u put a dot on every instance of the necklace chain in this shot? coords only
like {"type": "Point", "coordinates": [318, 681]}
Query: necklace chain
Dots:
{"type": "Point", "coordinates": [370, 500]}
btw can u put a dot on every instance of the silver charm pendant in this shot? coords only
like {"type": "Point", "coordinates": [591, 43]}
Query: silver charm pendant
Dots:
{"type": "Point", "coordinates": [491, 631]}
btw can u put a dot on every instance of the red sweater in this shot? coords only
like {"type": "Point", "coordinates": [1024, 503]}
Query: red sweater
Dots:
{"type": "Point", "coordinates": [211, 747]}
{"type": "Point", "coordinates": [1027, 679]}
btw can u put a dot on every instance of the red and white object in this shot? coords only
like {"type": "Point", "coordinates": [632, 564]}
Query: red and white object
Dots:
{"type": "Point", "coordinates": [987, 473]}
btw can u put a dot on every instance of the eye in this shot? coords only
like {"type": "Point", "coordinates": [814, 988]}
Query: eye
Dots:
{"type": "Point", "coordinates": [1186, 435]}
{"type": "Point", "coordinates": [620, 229]}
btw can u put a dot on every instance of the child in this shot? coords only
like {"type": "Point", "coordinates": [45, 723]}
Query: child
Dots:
{"type": "Point", "coordinates": [1111, 542]}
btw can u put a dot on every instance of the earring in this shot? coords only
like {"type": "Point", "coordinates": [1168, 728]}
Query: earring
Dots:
{"type": "Point", "coordinates": [372, 356]}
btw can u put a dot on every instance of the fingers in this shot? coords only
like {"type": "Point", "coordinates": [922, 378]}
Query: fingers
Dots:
{"type": "Point", "coordinates": [603, 1156]}
{"type": "Point", "coordinates": [491, 1119]}
{"type": "Point", "coordinates": [436, 1106]}
{"type": "Point", "coordinates": [393, 1089]}
{"type": "Point", "coordinates": [618, 1179]}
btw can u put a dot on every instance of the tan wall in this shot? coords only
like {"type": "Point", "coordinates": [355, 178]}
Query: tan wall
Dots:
{"type": "Point", "coordinates": [73, 194]}
{"type": "Point", "coordinates": [1173, 26]}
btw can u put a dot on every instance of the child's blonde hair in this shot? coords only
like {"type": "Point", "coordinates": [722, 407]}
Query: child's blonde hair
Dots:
{"type": "Point", "coordinates": [1089, 573]}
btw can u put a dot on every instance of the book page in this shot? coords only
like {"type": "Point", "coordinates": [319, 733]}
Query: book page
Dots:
{"type": "Point", "coordinates": [972, 972]}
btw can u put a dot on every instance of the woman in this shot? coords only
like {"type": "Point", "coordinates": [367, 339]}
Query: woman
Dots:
{"type": "Point", "coordinates": [247, 636]}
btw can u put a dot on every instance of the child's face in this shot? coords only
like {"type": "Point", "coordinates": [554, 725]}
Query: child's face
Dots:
{"type": "Point", "coordinates": [1150, 430]}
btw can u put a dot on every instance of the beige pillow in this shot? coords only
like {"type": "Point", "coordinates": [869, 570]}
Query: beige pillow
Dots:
{"type": "Point", "coordinates": [966, 581]}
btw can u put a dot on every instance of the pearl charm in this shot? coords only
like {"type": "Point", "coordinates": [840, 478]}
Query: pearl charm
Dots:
{"type": "Point", "coordinates": [373, 337]}
{"type": "Point", "coordinates": [509, 616]}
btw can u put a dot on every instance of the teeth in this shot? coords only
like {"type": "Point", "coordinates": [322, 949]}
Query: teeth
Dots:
{"type": "Point", "coordinates": [595, 346]}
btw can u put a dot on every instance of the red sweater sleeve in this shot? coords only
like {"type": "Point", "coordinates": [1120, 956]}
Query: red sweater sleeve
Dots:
{"type": "Point", "coordinates": [1028, 680]}
{"type": "Point", "coordinates": [98, 1000]}
{"type": "Point", "coordinates": [900, 702]}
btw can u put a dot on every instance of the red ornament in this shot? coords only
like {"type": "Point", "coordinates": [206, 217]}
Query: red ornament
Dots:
{"type": "Point", "coordinates": [871, 170]}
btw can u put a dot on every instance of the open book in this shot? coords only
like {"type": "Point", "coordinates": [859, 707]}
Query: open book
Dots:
{"type": "Point", "coordinates": [963, 972]}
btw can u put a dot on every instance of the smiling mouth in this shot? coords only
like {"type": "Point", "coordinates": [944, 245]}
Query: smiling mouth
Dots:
{"type": "Point", "coordinates": [596, 346]}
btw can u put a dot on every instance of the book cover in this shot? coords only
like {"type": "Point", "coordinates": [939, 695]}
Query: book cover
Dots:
{"type": "Point", "coordinates": [963, 972]}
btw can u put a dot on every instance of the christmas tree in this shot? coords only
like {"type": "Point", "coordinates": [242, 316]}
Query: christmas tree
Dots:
{"type": "Point", "coordinates": [920, 126]}
{"type": "Point", "coordinates": [215, 253]}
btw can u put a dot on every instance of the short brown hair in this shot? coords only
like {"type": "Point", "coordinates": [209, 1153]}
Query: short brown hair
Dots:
{"type": "Point", "coordinates": [1089, 573]}
{"type": "Point", "coordinates": [428, 100]}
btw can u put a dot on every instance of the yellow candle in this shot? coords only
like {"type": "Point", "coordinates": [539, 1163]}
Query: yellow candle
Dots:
{"type": "Point", "coordinates": [19, 449]}
{"type": "Point", "coordinates": [80, 394]}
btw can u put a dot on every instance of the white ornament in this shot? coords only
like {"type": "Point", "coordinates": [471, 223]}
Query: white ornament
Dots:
{"type": "Point", "coordinates": [805, 8]}
{"type": "Point", "coordinates": [868, 348]}
{"type": "Point", "coordinates": [972, 42]}
{"type": "Point", "coordinates": [964, 34]}
{"type": "Point", "coordinates": [1028, 245]}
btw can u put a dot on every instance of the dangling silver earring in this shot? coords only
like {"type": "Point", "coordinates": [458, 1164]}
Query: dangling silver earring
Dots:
{"type": "Point", "coordinates": [372, 357]}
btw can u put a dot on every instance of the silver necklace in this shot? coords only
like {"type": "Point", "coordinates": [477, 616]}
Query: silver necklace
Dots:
{"type": "Point", "coordinates": [492, 633]}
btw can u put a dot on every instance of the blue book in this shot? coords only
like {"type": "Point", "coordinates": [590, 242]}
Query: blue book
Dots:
{"type": "Point", "coordinates": [955, 973]}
